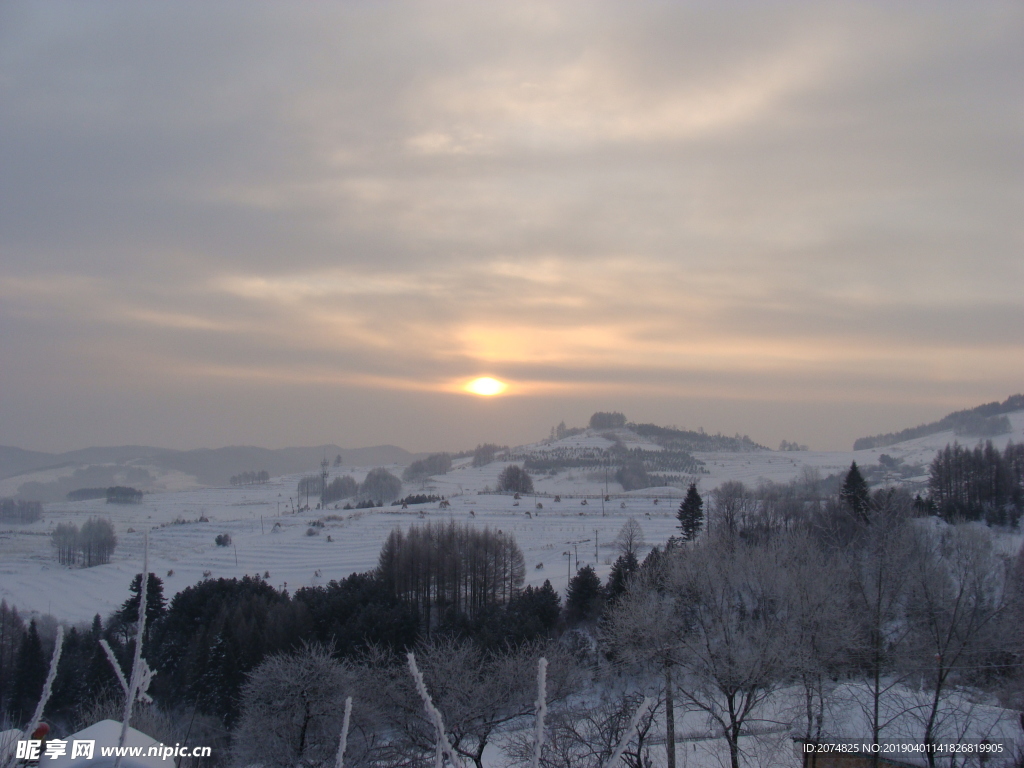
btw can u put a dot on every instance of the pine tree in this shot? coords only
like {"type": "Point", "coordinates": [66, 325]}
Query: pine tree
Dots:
{"type": "Point", "coordinates": [625, 566]}
{"type": "Point", "coordinates": [691, 514]}
{"type": "Point", "coordinates": [156, 604]}
{"type": "Point", "coordinates": [854, 492]}
{"type": "Point", "coordinates": [29, 675]}
{"type": "Point", "coordinates": [584, 598]}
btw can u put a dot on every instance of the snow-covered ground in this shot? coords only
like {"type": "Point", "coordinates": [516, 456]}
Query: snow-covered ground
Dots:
{"type": "Point", "coordinates": [267, 538]}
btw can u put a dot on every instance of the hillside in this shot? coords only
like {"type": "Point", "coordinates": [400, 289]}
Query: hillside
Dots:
{"type": "Point", "coordinates": [51, 476]}
{"type": "Point", "coordinates": [986, 420]}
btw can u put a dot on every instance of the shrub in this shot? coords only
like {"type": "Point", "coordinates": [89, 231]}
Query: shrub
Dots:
{"type": "Point", "coordinates": [223, 540]}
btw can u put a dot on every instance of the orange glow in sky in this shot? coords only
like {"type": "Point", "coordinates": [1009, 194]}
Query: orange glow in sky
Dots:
{"type": "Point", "coordinates": [486, 386]}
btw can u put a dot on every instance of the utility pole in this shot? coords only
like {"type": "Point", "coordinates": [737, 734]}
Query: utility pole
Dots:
{"type": "Point", "coordinates": [323, 481]}
{"type": "Point", "coordinates": [596, 556]}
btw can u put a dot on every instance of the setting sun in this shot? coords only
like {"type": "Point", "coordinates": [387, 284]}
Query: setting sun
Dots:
{"type": "Point", "coordinates": [486, 386]}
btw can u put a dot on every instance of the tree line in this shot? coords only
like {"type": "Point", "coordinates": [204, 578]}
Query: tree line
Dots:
{"type": "Point", "coordinates": [251, 478]}
{"type": "Point", "coordinates": [18, 511]}
{"type": "Point", "coordinates": [978, 484]}
{"type": "Point", "coordinates": [441, 567]}
{"type": "Point", "coordinates": [818, 593]}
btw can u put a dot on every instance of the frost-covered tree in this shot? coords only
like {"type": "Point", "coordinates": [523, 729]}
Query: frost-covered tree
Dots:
{"type": "Point", "coordinates": [292, 708]}
{"type": "Point", "coordinates": [734, 646]}
{"type": "Point", "coordinates": [478, 694]}
{"type": "Point", "coordinates": [586, 735]}
{"type": "Point", "coordinates": [645, 629]}
{"type": "Point", "coordinates": [957, 594]}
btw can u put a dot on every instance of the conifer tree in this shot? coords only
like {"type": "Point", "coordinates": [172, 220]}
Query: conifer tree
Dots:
{"type": "Point", "coordinates": [854, 492]}
{"type": "Point", "coordinates": [29, 675]}
{"type": "Point", "coordinates": [584, 597]}
{"type": "Point", "coordinates": [625, 566]}
{"type": "Point", "coordinates": [691, 514]}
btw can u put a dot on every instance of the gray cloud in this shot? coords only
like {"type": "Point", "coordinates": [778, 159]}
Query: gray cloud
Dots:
{"type": "Point", "coordinates": [664, 205]}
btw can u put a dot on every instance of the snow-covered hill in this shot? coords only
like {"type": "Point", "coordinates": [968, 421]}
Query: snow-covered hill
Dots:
{"type": "Point", "coordinates": [266, 538]}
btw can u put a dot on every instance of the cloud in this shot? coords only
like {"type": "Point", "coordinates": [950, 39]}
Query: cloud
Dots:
{"type": "Point", "coordinates": [670, 201]}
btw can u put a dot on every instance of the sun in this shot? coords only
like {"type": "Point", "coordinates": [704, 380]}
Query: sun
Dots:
{"type": "Point", "coordinates": [486, 386]}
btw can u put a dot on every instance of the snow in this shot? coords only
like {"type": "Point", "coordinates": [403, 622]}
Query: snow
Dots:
{"type": "Point", "coordinates": [107, 733]}
{"type": "Point", "coordinates": [267, 538]}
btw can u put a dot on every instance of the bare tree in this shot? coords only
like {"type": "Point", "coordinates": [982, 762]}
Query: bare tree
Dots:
{"type": "Point", "coordinates": [645, 628]}
{"type": "Point", "coordinates": [478, 694]}
{"type": "Point", "coordinates": [291, 712]}
{"type": "Point", "coordinates": [630, 538]}
{"type": "Point", "coordinates": [730, 506]}
{"type": "Point", "coordinates": [956, 595]}
{"type": "Point", "coordinates": [735, 648]}
{"type": "Point", "coordinates": [588, 735]}
{"type": "Point", "coordinates": [815, 581]}
{"type": "Point", "coordinates": [881, 559]}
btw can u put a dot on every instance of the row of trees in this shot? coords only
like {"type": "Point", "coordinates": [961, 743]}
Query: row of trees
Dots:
{"type": "Point", "coordinates": [123, 494]}
{"type": "Point", "coordinates": [18, 511]}
{"type": "Point", "coordinates": [379, 486]}
{"type": "Point", "coordinates": [251, 478]}
{"type": "Point", "coordinates": [439, 567]}
{"type": "Point", "coordinates": [979, 483]}
{"type": "Point", "coordinates": [93, 545]}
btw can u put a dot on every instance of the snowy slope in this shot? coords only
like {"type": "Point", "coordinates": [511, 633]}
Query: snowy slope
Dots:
{"type": "Point", "coordinates": [267, 538]}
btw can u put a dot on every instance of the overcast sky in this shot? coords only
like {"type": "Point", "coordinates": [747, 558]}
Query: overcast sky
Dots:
{"type": "Point", "coordinates": [286, 224]}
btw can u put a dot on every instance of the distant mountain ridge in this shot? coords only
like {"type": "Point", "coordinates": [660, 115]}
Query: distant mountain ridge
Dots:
{"type": "Point", "coordinates": [983, 421]}
{"type": "Point", "coordinates": [209, 466]}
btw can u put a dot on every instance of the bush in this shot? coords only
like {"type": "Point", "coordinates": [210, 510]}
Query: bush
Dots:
{"type": "Point", "coordinates": [223, 540]}
{"type": "Point", "coordinates": [515, 479]}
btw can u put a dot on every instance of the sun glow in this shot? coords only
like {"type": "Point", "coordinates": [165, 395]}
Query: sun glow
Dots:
{"type": "Point", "coordinates": [486, 386]}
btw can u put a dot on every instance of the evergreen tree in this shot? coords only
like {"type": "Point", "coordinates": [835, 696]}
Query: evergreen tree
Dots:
{"type": "Point", "coordinates": [156, 605]}
{"type": "Point", "coordinates": [29, 676]}
{"type": "Point", "coordinates": [854, 492]}
{"type": "Point", "coordinates": [68, 691]}
{"type": "Point", "coordinates": [584, 599]}
{"type": "Point", "coordinates": [12, 629]}
{"type": "Point", "coordinates": [625, 566]}
{"type": "Point", "coordinates": [691, 514]}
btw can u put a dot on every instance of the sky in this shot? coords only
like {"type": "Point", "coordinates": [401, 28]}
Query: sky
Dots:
{"type": "Point", "coordinates": [282, 224]}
